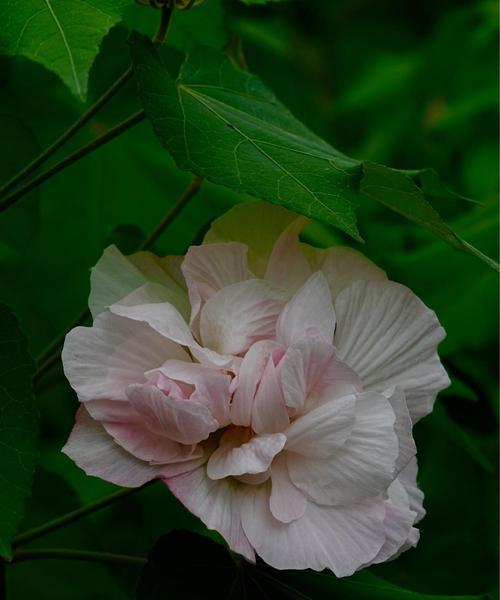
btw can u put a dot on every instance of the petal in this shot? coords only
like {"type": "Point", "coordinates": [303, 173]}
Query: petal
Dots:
{"type": "Point", "coordinates": [167, 321]}
{"type": "Point", "coordinates": [408, 479]}
{"type": "Point", "coordinates": [249, 375]}
{"type": "Point", "coordinates": [341, 266]}
{"type": "Point", "coordinates": [239, 315]}
{"type": "Point", "coordinates": [257, 225]}
{"type": "Point", "coordinates": [288, 268]}
{"type": "Point", "coordinates": [141, 442]}
{"type": "Point", "coordinates": [180, 420]}
{"type": "Point", "coordinates": [310, 364]}
{"type": "Point", "coordinates": [94, 451]}
{"type": "Point", "coordinates": [321, 432]}
{"type": "Point", "coordinates": [211, 386]}
{"type": "Point", "coordinates": [362, 467]}
{"type": "Point", "coordinates": [100, 361]}
{"type": "Point", "coordinates": [287, 502]}
{"type": "Point", "coordinates": [236, 456]}
{"type": "Point", "coordinates": [309, 313]}
{"type": "Point", "coordinates": [216, 503]}
{"type": "Point", "coordinates": [115, 276]}
{"type": "Point", "coordinates": [389, 337]}
{"type": "Point", "coordinates": [269, 413]}
{"type": "Point", "coordinates": [211, 267]}
{"type": "Point", "coordinates": [403, 428]}
{"type": "Point", "coordinates": [338, 538]}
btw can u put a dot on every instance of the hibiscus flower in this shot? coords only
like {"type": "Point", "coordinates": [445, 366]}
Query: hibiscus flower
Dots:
{"type": "Point", "coordinates": [271, 385]}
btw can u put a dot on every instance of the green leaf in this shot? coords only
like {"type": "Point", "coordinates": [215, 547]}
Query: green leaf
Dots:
{"type": "Point", "coordinates": [185, 564]}
{"type": "Point", "coordinates": [225, 125]}
{"type": "Point", "coordinates": [260, 1]}
{"type": "Point", "coordinates": [396, 190]}
{"type": "Point", "coordinates": [63, 35]}
{"type": "Point", "coordinates": [18, 427]}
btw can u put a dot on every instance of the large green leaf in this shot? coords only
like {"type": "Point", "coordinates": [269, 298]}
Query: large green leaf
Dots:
{"type": "Point", "coordinates": [18, 426]}
{"type": "Point", "coordinates": [185, 564]}
{"type": "Point", "coordinates": [226, 125]}
{"type": "Point", "coordinates": [62, 35]}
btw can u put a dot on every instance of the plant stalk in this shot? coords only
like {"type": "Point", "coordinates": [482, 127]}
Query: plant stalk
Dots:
{"type": "Point", "coordinates": [87, 555]}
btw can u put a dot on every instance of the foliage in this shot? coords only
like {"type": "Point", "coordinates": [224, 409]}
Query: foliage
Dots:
{"type": "Point", "coordinates": [378, 81]}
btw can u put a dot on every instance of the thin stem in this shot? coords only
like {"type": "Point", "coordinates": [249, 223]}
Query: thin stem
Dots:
{"type": "Point", "coordinates": [52, 354]}
{"type": "Point", "coordinates": [191, 191]}
{"type": "Point", "coordinates": [69, 554]}
{"type": "Point", "coordinates": [75, 515]}
{"type": "Point", "coordinates": [73, 157]}
{"type": "Point", "coordinates": [159, 37]}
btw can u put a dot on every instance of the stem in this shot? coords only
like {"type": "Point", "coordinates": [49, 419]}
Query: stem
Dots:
{"type": "Point", "coordinates": [52, 354]}
{"type": "Point", "coordinates": [67, 554]}
{"type": "Point", "coordinates": [191, 191]}
{"type": "Point", "coordinates": [74, 515]}
{"type": "Point", "coordinates": [159, 37]}
{"type": "Point", "coordinates": [73, 157]}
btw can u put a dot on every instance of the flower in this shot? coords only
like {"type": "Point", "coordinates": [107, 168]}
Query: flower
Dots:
{"type": "Point", "coordinates": [271, 385]}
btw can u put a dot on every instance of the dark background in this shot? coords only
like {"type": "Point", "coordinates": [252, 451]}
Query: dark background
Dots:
{"type": "Point", "coordinates": [409, 85]}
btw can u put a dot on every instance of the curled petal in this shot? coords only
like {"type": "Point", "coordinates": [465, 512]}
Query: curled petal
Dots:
{"type": "Point", "coordinates": [238, 455]}
{"type": "Point", "coordinates": [287, 502]}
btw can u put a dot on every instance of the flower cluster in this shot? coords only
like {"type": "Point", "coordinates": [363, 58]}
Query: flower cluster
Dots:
{"type": "Point", "coordinates": [271, 385]}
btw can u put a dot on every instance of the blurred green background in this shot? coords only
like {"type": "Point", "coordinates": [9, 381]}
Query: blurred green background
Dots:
{"type": "Point", "coordinates": [409, 85]}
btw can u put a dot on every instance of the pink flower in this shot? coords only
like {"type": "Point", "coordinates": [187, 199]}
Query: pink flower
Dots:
{"type": "Point", "coordinates": [272, 386]}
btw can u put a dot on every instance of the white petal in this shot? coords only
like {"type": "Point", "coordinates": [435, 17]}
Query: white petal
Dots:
{"type": "Point", "coordinates": [287, 502]}
{"type": "Point", "coordinates": [211, 267]}
{"type": "Point", "coordinates": [216, 503]}
{"type": "Point", "coordinates": [115, 276]}
{"type": "Point", "coordinates": [94, 451]}
{"type": "Point", "coordinates": [389, 337]}
{"type": "Point", "coordinates": [408, 479]}
{"type": "Point", "coordinates": [236, 455]}
{"type": "Point", "coordinates": [248, 377]}
{"type": "Point", "coordinates": [362, 467]}
{"type": "Point", "coordinates": [288, 268]}
{"type": "Point", "coordinates": [341, 266]}
{"type": "Point", "coordinates": [338, 538]}
{"type": "Point", "coordinates": [100, 361]}
{"type": "Point", "coordinates": [269, 413]}
{"type": "Point", "coordinates": [239, 315]}
{"type": "Point", "coordinates": [309, 312]}
{"type": "Point", "coordinates": [403, 427]}
{"type": "Point", "coordinates": [321, 432]}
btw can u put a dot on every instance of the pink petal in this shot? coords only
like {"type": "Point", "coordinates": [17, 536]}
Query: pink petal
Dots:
{"type": "Point", "coordinates": [403, 427]}
{"type": "Point", "coordinates": [94, 451]}
{"type": "Point", "coordinates": [389, 337]}
{"type": "Point", "coordinates": [362, 467]}
{"type": "Point", "coordinates": [341, 538]}
{"type": "Point", "coordinates": [211, 267]}
{"type": "Point", "coordinates": [180, 420]}
{"type": "Point", "coordinates": [211, 386]}
{"type": "Point", "coordinates": [320, 433]}
{"type": "Point", "coordinates": [309, 313]}
{"type": "Point", "coordinates": [341, 266]}
{"type": "Point", "coordinates": [100, 361]}
{"type": "Point", "coordinates": [216, 503]}
{"type": "Point", "coordinates": [239, 315]}
{"type": "Point", "coordinates": [408, 479]}
{"type": "Point", "coordinates": [269, 413]}
{"type": "Point", "coordinates": [249, 375]}
{"type": "Point", "coordinates": [287, 502]}
{"type": "Point", "coordinates": [238, 455]}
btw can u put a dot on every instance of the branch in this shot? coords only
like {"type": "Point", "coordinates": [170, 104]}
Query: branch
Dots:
{"type": "Point", "coordinates": [68, 554]}
{"type": "Point", "coordinates": [159, 37]}
{"type": "Point", "coordinates": [74, 515]}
